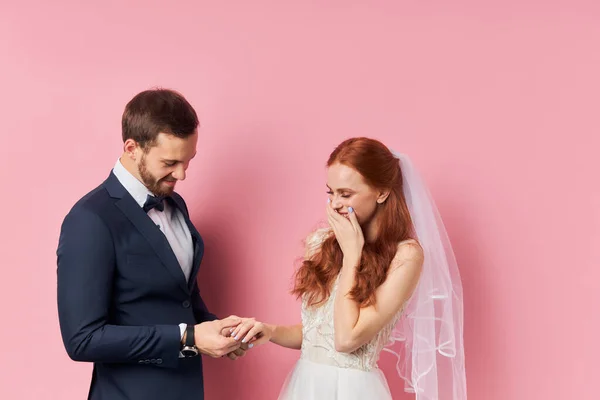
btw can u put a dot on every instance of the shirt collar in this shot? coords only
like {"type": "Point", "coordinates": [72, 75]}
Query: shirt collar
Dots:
{"type": "Point", "coordinates": [136, 189]}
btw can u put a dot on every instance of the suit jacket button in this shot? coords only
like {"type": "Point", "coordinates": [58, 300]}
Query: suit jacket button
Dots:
{"type": "Point", "coordinates": [153, 361]}
{"type": "Point", "coordinates": [141, 362]}
{"type": "Point", "coordinates": [186, 304]}
{"type": "Point", "coordinates": [159, 360]}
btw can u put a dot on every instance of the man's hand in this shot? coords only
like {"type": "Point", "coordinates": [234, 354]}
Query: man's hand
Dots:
{"type": "Point", "coordinates": [241, 352]}
{"type": "Point", "coordinates": [211, 342]}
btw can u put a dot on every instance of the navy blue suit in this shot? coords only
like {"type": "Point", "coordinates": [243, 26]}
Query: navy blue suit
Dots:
{"type": "Point", "coordinates": [122, 295]}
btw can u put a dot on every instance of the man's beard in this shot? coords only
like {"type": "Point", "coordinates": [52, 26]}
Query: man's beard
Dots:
{"type": "Point", "coordinates": [154, 185]}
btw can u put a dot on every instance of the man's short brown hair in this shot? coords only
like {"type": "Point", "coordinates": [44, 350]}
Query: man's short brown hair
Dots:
{"type": "Point", "coordinates": [154, 111]}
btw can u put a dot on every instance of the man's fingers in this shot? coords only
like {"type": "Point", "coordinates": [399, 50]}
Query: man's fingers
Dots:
{"type": "Point", "coordinates": [232, 347]}
{"type": "Point", "coordinates": [235, 354]}
{"type": "Point", "coordinates": [226, 331]}
{"type": "Point", "coordinates": [240, 352]}
{"type": "Point", "coordinates": [228, 344]}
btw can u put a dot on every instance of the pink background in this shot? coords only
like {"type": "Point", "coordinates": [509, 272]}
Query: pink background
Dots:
{"type": "Point", "coordinates": [495, 101]}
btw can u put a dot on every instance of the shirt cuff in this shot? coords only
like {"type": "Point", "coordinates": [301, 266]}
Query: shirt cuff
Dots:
{"type": "Point", "coordinates": [182, 328]}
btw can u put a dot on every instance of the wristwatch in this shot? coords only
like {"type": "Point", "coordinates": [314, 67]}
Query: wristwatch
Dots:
{"type": "Point", "coordinates": [189, 348]}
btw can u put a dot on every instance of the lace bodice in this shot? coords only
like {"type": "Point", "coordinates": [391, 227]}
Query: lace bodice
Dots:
{"type": "Point", "coordinates": [318, 332]}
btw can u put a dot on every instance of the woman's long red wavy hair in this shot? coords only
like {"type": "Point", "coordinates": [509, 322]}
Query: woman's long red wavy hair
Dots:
{"type": "Point", "coordinates": [381, 170]}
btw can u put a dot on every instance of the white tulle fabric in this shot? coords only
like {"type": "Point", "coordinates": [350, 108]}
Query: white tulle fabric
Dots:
{"type": "Point", "coordinates": [428, 338]}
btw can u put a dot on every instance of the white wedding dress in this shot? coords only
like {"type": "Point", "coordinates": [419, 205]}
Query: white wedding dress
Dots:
{"type": "Point", "coordinates": [322, 373]}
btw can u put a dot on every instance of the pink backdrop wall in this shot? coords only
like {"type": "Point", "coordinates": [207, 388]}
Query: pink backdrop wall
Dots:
{"type": "Point", "coordinates": [496, 102]}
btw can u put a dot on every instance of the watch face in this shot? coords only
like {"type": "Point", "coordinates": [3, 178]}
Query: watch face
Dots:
{"type": "Point", "coordinates": [189, 352]}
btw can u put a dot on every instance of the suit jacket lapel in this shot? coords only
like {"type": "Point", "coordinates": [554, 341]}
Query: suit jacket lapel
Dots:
{"type": "Point", "coordinates": [147, 228]}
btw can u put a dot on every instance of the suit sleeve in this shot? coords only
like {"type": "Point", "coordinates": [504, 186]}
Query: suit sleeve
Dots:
{"type": "Point", "coordinates": [86, 265]}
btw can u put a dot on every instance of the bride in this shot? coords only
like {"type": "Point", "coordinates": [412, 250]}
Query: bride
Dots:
{"type": "Point", "coordinates": [381, 277]}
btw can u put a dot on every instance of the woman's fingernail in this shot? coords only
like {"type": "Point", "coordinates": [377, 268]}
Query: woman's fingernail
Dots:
{"type": "Point", "coordinates": [235, 338]}
{"type": "Point", "coordinates": [329, 200]}
{"type": "Point", "coordinates": [250, 346]}
{"type": "Point", "coordinates": [244, 340]}
{"type": "Point", "coordinates": [350, 209]}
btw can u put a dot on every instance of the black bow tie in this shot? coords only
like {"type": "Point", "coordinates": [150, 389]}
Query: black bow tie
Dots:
{"type": "Point", "coordinates": [154, 202]}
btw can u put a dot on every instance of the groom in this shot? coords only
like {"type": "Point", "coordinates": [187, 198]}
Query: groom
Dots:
{"type": "Point", "coordinates": [128, 257]}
